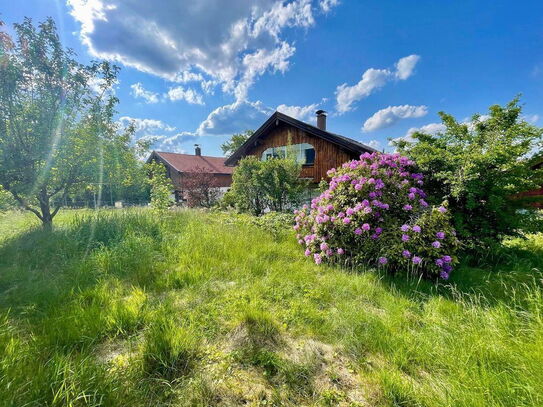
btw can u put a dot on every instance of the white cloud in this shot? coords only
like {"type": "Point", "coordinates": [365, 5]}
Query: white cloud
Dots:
{"type": "Point", "coordinates": [372, 80]}
{"type": "Point", "coordinates": [327, 5]}
{"type": "Point", "coordinates": [374, 144]}
{"type": "Point", "coordinates": [146, 125]}
{"type": "Point", "coordinates": [405, 66]}
{"type": "Point", "coordinates": [531, 118]}
{"type": "Point", "coordinates": [139, 92]}
{"type": "Point", "coordinates": [206, 40]}
{"type": "Point", "coordinates": [234, 118]}
{"type": "Point", "coordinates": [391, 115]}
{"type": "Point", "coordinates": [188, 95]}
{"type": "Point", "coordinates": [430, 128]}
{"type": "Point", "coordinates": [303, 113]}
{"type": "Point", "coordinates": [257, 63]}
{"type": "Point", "coordinates": [164, 137]}
{"type": "Point", "coordinates": [187, 76]}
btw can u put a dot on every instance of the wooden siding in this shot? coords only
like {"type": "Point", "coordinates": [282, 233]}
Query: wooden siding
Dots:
{"type": "Point", "coordinates": [327, 155]}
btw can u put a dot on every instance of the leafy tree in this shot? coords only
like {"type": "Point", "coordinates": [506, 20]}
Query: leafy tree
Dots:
{"type": "Point", "coordinates": [235, 142]}
{"type": "Point", "coordinates": [479, 167]}
{"type": "Point", "coordinates": [200, 188]}
{"type": "Point", "coordinates": [161, 186]}
{"type": "Point", "coordinates": [57, 134]}
{"type": "Point", "coordinates": [273, 184]}
{"type": "Point", "coordinates": [6, 200]}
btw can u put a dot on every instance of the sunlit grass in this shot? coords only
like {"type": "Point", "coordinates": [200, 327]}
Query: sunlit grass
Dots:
{"type": "Point", "coordinates": [191, 308]}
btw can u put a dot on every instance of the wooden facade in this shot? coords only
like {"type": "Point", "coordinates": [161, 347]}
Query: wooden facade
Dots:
{"type": "Point", "coordinates": [331, 150]}
{"type": "Point", "coordinates": [327, 155]}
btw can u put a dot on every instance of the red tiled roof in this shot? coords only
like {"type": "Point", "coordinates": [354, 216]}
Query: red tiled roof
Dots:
{"type": "Point", "coordinates": [189, 162]}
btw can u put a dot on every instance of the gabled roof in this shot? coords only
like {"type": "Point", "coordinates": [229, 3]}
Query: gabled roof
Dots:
{"type": "Point", "coordinates": [190, 163]}
{"type": "Point", "coordinates": [344, 142]}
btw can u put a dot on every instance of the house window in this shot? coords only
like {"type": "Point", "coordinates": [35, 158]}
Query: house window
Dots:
{"type": "Point", "coordinates": [304, 153]}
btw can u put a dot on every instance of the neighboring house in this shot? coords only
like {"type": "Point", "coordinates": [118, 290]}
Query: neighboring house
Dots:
{"type": "Point", "coordinates": [535, 196]}
{"type": "Point", "coordinates": [180, 166]}
{"type": "Point", "coordinates": [317, 149]}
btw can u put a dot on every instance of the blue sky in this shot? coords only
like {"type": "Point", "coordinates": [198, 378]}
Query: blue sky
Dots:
{"type": "Point", "coordinates": [198, 71]}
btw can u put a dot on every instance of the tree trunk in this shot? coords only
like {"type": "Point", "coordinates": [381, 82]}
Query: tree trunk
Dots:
{"type": "Point", "coordinates": [45, 206]}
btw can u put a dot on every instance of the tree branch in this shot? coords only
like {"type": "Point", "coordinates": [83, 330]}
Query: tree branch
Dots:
{"type": "Point", "coordinates": [60, 204]}
{"type": "Point", "coordinates": [26, 205]}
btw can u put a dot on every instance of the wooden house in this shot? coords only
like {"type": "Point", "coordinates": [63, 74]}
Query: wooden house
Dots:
{"type": "Point", "coordinates": [535, 196]}
{"type": "Point", "coordinates": [181, 166]}
{"type": "Point", "coordinates": [317, 149]}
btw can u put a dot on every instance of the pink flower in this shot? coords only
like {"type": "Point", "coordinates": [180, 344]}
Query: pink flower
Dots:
{"type": "Point", "coordinates": [405, 238]}
{"type": "Point", "coordinates": [307, 252]}
{"type": "Point", "coordinates": [358, 187]}
{"type": "Point", "coordinates": [358, 231]}
{"type": "Point", "coordinates": [442, 209]}
{"type": "Point", "coordinates": [383, 260]}
{"type": "Point", "coordinates": [324, 246]}
{"type": "Point", "coordinates": [407, 207]}
{"type": "Point", "coordinates": [366, 226]}
{"type": "Point", "coordinates": [340, 251]}
{"type": "Point", "coordinates": [347, 221]}
{"type": "Point", "coordinates": [416, 228]}
{"type": "Point", "coordinates": [416, 260]}
{"type": "Point", "coordinates": [318, 259]}
{"type": "Point", "coordinates": [350, 211]}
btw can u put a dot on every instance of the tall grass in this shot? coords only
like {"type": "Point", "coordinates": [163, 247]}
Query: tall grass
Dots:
{"type": "Point", "coordinates": [190, 308]}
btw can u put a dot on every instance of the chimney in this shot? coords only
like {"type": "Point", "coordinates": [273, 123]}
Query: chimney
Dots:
{"type": "Point", "coordinates": [197, 149]}
{"type": "Point", "coordinates": [321, 119]}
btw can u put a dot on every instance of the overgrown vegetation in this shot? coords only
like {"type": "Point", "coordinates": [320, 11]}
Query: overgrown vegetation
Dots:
{"type": "Point", "coordinates": [126, 308]}
{"type": "Point", "coordinates": [258, 185]}
{"type": "Point", "coordinates": [480, 167]}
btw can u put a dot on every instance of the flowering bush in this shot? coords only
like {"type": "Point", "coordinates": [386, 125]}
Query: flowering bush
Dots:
{"type": "Point", "coordinates": [374, 212]}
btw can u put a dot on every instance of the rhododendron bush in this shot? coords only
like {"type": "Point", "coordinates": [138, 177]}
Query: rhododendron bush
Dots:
{"type": "Point", "coordinates": [374, 212]}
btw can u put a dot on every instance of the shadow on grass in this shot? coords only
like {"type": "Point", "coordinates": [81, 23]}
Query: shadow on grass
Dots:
{"type": "Point", "coordinates": [41, 268]}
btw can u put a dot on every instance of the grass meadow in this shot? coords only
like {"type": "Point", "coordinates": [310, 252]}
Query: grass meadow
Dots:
{"type": "Point", "coordinates": [132, 308]}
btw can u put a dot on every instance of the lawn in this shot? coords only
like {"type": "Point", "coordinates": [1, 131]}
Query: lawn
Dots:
{"type": "Point", "coordinates": [131, 308]}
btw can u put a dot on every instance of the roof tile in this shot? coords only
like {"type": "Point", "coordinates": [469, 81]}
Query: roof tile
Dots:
{"type": "Point", "coordinates": [189, 162]}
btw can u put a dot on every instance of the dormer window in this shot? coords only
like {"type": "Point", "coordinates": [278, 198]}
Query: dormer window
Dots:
{"type": "Point", "coordinates": [304, 153]}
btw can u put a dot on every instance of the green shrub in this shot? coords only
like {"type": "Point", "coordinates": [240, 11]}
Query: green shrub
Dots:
{"type": "Point", "coordinates": [161, 186]}
{"type": "Point", "coordinates": [257, 185]}
{"type": "Point", "coordinates": [374, 213]}
{"type": "Point", "coordinates": [479, 167]}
